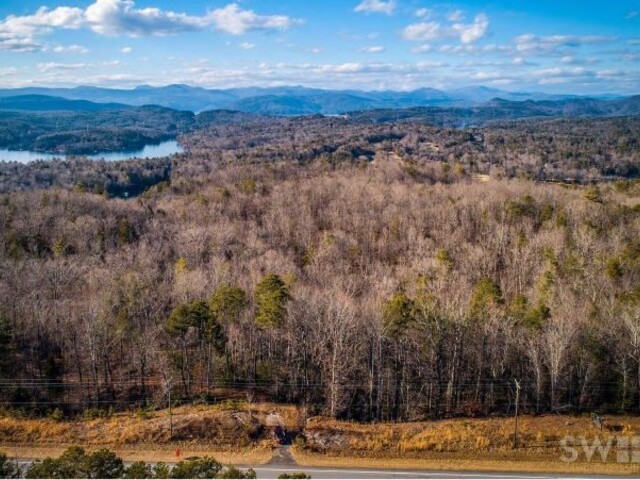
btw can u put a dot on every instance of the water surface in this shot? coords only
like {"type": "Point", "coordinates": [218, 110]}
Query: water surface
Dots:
{"type": "Point", "coordinates": [163, 149]}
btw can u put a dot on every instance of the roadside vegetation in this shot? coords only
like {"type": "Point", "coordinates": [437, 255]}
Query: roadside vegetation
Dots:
{"type": "Point", "coordinates": [75, 462]}
{"type": "Point", "coordinates": [454, 444]}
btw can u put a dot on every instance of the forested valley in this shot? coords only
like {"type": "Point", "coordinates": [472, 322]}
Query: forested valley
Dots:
{"type": "Point", "coordinates": [367, 269]}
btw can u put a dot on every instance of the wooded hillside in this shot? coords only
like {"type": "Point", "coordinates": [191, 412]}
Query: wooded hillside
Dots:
{"type": "Point", "coordinates": [374, 288]}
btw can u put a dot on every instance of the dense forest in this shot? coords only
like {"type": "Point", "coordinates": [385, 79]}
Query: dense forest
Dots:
{"type": "Point", "coordinates": [563, 150]}
{"type": "Point", "coordinates": [76, 127]}
{"type": "Point", "coordinates": [86, 132]}
{"type": "Point", "coordinates": [366, 270]}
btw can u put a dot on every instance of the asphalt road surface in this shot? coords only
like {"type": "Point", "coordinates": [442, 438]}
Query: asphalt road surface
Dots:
{"type": "Point", "coordinates": [283, 463]}
{"type": "Point", "coordinates": [273, 471]}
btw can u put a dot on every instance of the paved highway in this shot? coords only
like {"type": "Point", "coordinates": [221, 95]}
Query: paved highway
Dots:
{"type": "Point", "coordinates": [284, 463]}
{"type": "Point", "coordinates": [273, 471]}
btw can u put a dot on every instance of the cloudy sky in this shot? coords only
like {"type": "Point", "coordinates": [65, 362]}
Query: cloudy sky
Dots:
{"type": "Point", "coordinates": [571, 46]}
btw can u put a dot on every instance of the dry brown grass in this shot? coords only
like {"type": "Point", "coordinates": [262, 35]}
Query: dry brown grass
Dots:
{"type": "Point", "coordinates": [235, 434]}
{"type": "Point", "coordinates": [539, 435]}
{"type": "Point", "coordinates": [464, 444]}
{"type": "Point", "coordinates": [223, 426]}
{"type": "Point", "coordinates": [479, 444]}
{"type": "Point", "coordinates": [152, 453]}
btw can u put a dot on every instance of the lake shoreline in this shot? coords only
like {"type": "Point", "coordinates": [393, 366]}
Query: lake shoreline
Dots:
{"type": "Point", "coordinates": [160, 150]}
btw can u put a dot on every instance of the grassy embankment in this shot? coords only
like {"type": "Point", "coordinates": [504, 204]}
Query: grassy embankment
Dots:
{"type": "Point", "coordinates": [239, 434]}
{"type": "Point", "coordinates": [467, 444]}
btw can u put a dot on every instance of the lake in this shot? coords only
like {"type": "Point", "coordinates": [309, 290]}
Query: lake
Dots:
{"type": "Point", "coordinates": [163, 149]}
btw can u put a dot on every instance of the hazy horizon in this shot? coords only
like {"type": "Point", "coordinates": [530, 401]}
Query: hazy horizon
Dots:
{"type": "Point", "coordinates": [455, 89]}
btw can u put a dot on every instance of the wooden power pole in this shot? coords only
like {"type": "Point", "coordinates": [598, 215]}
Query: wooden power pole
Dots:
{"type": "Point", "coordinates": [515, 433]}
{"type": "Point", "coordinates": [168, 386]}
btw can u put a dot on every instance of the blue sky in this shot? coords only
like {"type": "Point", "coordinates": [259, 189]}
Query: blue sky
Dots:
{"type": "Point", "coordinates": [587, 47]}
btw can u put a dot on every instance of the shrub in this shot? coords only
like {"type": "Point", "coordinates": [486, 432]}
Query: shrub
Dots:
{"type": "Point", "coordinates": [12, 412]}
{"type": "Point", "coordinates": [139, 470]}
{"type": "Point", "coordinates": [48, 468]}
{"type": "Point", "coordinates": [206, 467]}
{"type": "Point", "coordinates": [144, 413]}
{"type": "Point", "coordinates": [161, 470]}
{"type": "Point", "coordinates": [56, 415]}
{"type": "Point", "coordinates": [294, 475]}
{"type": "Point", "coordinates": [233, 472]}
{"type": "Point", "coordinates": [75, 463]}
{"type": "Point", "coordinates": [104, 463]}
{"type": "Point", "coordinates": [8, 469]}
{"type": "Point", "coordinates": [71, 464]}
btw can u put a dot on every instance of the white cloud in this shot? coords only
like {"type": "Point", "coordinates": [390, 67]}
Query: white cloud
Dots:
{"type": "Point", "coordinates": [43, 19]}
{"type": "Point", "coordinates": [247, 45]}
{"type": "Point", "coordinates": [423, 31]}
{"type": "Point", "coordinates": [126, 50]}
{"type": "Point", "coordinates": [365, 75]}
{"type": "Point", "coordinates": [421, 66]}
{"type": "Point", "coordinates": [18, 33]}
{"type": "Point", "coordinates": [428, 31]}
{"type": "Point", "coordinates": [571, 60]}
{"type": "Point", "coordinates": [483, 76]}
{"type": "Point", "coordinates": [535, 44]}
{"type": "Point", "coordinates": [501, 82]}
{"type": "Point", "coordinates": [111, 63]}
{"type": "Point", "coordinates": [8, 71]}
{"type": "Point", "coordinates": [422, 12]}
{"type": "Point", "coordinates": [48, 66]}
{"type": "Point", "coordinates": [549, 76]}
{"type": "Point", "coordinates": [632, 14]}
{"type": "Point", "coordinates": [235, 21]}
{"type": "Point", "coordinates": [121, 17]}
{"type": "Point", "coordinates": [456, 16]}
{"type": "Point", "coordinates": [554, 80]}
{"type": "Point", "coordinates": [609, 73]}
{"type": "Point", "coordinates": [342, 68]}
{"type": "Point", "coordinates": [70, 49]}
{"type": "Point", "coordinates": [421, 49]}
{"type": "Point", "coordinates": [20, 45]}
{"type": "Point", "coordinates": [373, 49]}
{"type": "Point", "coordinates": [473, 32]}
{"type": "Point", "coordinates": [376, 6]}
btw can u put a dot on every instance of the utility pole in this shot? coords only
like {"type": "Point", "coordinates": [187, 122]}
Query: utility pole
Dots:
{"type": "Point", "coordinates": [515, 434]}
{"type": "Point", "coordinates": [168, 384]}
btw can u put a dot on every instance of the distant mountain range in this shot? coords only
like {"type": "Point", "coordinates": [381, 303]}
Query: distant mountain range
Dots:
{"type": "Point", "coordinates": [426, 105]}
{"type": "Point", "coordinates": [46, 123]}
{"type": "Point", "coordinates": [498, 110]}
{"type": "Point", "coordinates": [267, 101]}
{"type": "Point", "coordinates": [46, 103]}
